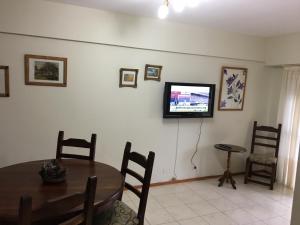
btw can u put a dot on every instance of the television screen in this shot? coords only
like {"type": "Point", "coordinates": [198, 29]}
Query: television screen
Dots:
{"type": "Point", "coordinates": [188, 100]}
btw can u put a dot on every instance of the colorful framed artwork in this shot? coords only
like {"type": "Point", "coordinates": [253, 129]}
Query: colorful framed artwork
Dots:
{"type": "Point", "coordinates": [4, 81]}
{"type": "Point", "coordinates": [232, 89]}
{"type": "Point", "coordinates": [128, 77]}
{"type": "Point", "coordinates": [152, 72]}
{"type": "Point", "coordinates": [45, 71]}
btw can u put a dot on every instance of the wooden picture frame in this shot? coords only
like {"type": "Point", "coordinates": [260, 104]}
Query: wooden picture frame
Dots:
{"type": "Point", "coordinates": [128, 77]}
{"type": "Point", "coordinates": [152, 72]}
{"type": "Point", "coordinates": [4, 81]}
{"type": "Point", "coordinates": [232, 88]}
{"type": "Point", "coordinates": [45, 70]}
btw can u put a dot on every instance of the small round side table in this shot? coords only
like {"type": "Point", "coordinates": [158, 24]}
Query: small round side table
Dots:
{"type": "Point", "coordinates": [227, 174]}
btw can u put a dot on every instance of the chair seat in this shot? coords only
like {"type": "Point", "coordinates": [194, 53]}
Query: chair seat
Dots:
{"type": "Point", "coordinates": [119, 214]}
{"type": "Point", "coordinates": [264, 159]}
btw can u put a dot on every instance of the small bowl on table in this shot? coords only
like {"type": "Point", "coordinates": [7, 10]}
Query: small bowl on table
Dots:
{"type": "Point", "coordinates": [52, 172]}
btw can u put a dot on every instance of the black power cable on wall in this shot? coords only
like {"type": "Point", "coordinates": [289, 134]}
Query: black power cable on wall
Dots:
{"type": "Point", "coordinates": [196, 147]}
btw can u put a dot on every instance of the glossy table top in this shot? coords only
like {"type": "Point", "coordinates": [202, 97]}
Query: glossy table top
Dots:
{"type": "Point", "coordinates": [23, 179]}
{"type": "Point", "coordinates": [230, 148]}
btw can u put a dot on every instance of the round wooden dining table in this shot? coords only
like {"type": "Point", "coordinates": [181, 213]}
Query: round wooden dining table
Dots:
{"type": "Point", "coordinates": [24, 179]}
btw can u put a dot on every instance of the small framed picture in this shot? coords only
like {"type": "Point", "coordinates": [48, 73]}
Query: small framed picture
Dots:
{"type": "Point", "coordinates": [128, 77]}
{"type": "Point", "coordinates": [4, 81]}
{"type": "Point", "coordinates": [232, 89]}
{"type": "Point", "coordinates": [45, 71]}
{"type": "Point", "coordinates": [152, 72]}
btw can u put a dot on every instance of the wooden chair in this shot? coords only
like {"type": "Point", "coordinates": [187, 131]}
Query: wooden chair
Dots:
{"type": "Point", "coordinates": [262, 136]}
{"type": "Point", "coordinates": [74, 142]}
{"type": "Point", "coordinates": [61, 206]}
{"type": "Point", "coordinates": [121, 214]}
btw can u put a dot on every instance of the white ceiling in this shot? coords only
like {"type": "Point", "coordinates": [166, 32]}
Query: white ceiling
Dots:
{"type": "Point", "coordinates": [255, 17]}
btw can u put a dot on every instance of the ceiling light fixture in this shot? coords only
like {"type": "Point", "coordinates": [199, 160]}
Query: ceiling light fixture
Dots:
{"type": "Point", "coordinates": [177, 5]}
{"type": "Point", "coordinates": [163, 10]}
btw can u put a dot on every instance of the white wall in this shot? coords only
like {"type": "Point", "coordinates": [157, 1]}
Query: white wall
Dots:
{"type": "Point", "coordinates": [93, 102]}
{"type": "Point", "coordinates": [283, 50]}
{"type": "Point", "coordinates": [37, 17]}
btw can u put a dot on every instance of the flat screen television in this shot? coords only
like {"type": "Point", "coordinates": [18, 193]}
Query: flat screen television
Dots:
{"type": "Point", "coordinates": [188, 100]}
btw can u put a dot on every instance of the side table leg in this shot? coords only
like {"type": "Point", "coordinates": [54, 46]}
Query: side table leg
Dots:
{"type": "Point", "coordinates": [232, 181]}
{"type": "Point", "coordinates": [222, 179]}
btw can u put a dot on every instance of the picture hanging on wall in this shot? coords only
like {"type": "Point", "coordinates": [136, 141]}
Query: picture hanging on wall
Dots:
{"type": "Point", "coordinates": [4, 81]}
{"type": "Point", "coordinates": [45, 71]}
{"type": "Point", "coordinates": [152, 72]}
{"type": "Point", "coordinates": [232, 89]}
{"type": "Point", "coordinates": [128, 77]}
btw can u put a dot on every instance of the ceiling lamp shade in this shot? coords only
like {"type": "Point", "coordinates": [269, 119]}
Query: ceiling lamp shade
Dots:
{"type": "Point", "coordinates": [178, 5]}
{"type": "Point", "coordinates": [163, 11]}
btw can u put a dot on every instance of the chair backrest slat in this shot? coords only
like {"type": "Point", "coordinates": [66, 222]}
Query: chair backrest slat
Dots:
{"type": "Point", "coordinates": [75, 142]}
{"type": "Point", "coordinates": [80, 143]}
{"type": "Point", "coordinates": [135, 175]}
{"type": "Point", "coordinates": [133, 189]}
{"type": "Point", "coordinates": [265, 145]}
{"type": "Point", "coordinates": [60, 206]}
{"type": "Point", "coordinates": [25, 210]}
{"type": "Point", "coordinates": [147, 164]}
{"type": "Point", "coordinates": [265, 137]}
{"type": "Point", "coordinates": [138, 158]}
{"type": "Point", "coordinates": [74, 156]}
{"type": "Point", "coordinates": [266, 129]}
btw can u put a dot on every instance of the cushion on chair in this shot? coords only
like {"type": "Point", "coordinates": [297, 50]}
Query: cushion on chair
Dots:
{"type": "Point", "coordinates": [264, 159]}
{"type": "Point", "coordinates": [120, 214]}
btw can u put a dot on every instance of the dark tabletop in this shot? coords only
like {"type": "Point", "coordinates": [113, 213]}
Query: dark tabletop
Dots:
{"type": "Point", "coordinates": [230, 148]}
{"type": "Point", "coordinates": [23, 179]}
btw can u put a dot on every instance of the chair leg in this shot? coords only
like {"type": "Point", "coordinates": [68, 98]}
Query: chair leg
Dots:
{"type": "Point", "coordinates": [247, 171]}
{"type": "Point", "coordinates": [250, 169]}
{"type": "Point", "coordinates": [273, 176]}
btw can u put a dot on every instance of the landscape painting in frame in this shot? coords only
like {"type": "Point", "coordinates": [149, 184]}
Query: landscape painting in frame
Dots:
{"type": "Point", "coordinates": [45, 70]}
{"type": "Point", "coordinates": [128, 77]}
{"type": "Point", "coordinates": [232, 90]}
{"type": "Point", "coordinates": [152, 72]}
{"type": "Point", "coordinates": [4, 81]}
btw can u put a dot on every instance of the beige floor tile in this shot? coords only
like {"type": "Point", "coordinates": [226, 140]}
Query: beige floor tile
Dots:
{"type": "Point", "coordinates": [177, 188]}
{"type": "Point", "coordinates": [188, 196]}
{"type": "Point", "coordinates": [172, 223]}
{"type": "Point", "coordinates": [223, 204]}
{"type": "Point", "coordinates": [203, 203]}
{"type": "Point", "coordinates": [240, 200]}
{"type": "Point", "coordinates": [160, 216]}
{"type": "Point", "coordinates": [181, 212]}
{"type": "Point", "coordinates": [241, 217]}
{"type": "Point", "coordinates": [193, 221]}
{"type": "Point", "coordinates": [168, 200]}
{"type": "Point", "coordinates": [153, 205]}
{"type": "Point", "coordinates": [257, 223]}
{"type": "Point", "coordinates": [261, 212]}
{"type": "Point", "coordinates": [202, 208]}
{"type": "Point", "coordinates": [208, 194]}
{"type": "Point", "coordinates": [218, 219]}
{"type": "Point", "coordinates": [277, 221]}
{"type": "Point", "coordinates": [160, 190]}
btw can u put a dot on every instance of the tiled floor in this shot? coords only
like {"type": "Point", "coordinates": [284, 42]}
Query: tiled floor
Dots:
{"type": "Point", "coordinates": [203, 203]}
